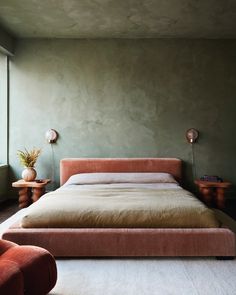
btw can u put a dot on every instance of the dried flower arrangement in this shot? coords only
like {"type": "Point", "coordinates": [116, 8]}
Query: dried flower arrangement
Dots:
{"type": "Point", "coordinates": [28, 158]}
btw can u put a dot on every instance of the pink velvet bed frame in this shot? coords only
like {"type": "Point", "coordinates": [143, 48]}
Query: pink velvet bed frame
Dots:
{"type": "Point", "coordinates": [96, 242]}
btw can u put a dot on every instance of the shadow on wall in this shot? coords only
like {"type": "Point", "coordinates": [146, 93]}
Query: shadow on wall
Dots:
{"type": "Point", "coordinates": [188, 177]}
{"type": "Point", "coordinates": [4, 182]}
{"type": "Point", "coordinates": [12, 193]}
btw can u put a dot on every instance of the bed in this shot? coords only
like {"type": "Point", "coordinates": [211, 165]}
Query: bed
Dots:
{"type": "Point", "coordinates": [122, 207]}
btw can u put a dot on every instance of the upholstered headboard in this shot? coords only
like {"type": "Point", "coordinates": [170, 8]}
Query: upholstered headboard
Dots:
{"type": "Point", "coordinates": [72, 166]}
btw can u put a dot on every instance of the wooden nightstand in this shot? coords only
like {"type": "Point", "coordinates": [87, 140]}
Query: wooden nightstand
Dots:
{"type": "Point", "coordinates": [30, 191]}
{"type": "Point", "coordinates": [213, 193]}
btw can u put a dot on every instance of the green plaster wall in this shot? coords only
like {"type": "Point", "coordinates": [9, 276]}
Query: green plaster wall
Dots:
{"type": "Point", "coordinates": [125, 98]}
{"type": "Point", "coordinates": [4, 109]}
{"type": "Point", "coordinates": [3, 128]}
{"type": "Point", "coordinates": [7, 42]}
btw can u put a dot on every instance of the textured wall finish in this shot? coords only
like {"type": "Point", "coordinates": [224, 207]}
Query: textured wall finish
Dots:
{"type": "Point", "coordinates": [3, 128]}
{"type": "Point", "coordinates": [120, 18]}
{"type": "Point", "coordinates": [125, 98]}
{"type": "Point", "coordinates": [6, 43]}
{"type": "Point", "coordinates": [4, 109]}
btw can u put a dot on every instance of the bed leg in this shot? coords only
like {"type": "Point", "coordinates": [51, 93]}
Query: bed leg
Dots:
{"type": "Point", "coordinates": [224, 257]}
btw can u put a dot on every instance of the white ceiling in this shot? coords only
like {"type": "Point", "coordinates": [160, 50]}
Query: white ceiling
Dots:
{"type": "Point", "coordinates": [119, 18]}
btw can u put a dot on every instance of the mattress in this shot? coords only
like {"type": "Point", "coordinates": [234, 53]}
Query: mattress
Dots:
{"type": "Point", "coordinates": [143, 202]}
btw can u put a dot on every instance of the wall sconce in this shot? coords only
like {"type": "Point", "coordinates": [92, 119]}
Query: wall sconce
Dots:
{"type": "Point", "coordinates": [192, 135]}
{"type": "Point", "coordinates": [51, 136]}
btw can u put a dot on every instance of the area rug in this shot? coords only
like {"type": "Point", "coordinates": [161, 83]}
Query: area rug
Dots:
{"type": "Point", "coordinates": [142, 276]}
{"type": "Point", "coordinates": [145, 277]}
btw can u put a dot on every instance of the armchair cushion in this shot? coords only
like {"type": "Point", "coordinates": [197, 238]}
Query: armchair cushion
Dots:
{"type": "Point", "coordinates": [11, 278]}
{"type": "Point", "coordinates": [32, 267]}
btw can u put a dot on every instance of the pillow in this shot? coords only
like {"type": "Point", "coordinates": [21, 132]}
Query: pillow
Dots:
{"type": "Point", "coordinates": [106, 178]}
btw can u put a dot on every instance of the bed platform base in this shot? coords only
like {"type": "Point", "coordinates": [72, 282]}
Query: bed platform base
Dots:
{"type": "Point", "coordinates": [123, 242]}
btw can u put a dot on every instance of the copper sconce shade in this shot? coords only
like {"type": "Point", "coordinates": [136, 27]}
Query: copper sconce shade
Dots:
{"type": "Point", "coordinates": [192, 135]}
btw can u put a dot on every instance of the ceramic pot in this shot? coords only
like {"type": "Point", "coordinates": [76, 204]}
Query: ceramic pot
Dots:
{"type": "Point", "coordinates": [29, 174]}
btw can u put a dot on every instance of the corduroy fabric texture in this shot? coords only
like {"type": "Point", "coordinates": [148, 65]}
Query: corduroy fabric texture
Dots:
{"type": "Point", "coordinates": [11, 278]}
{"type": "Point", "coordinates": [31, 269]}
{"type": "Point", "coordinates": [70, 167]}
{"type": "Point", "coordinates": [127, 242]}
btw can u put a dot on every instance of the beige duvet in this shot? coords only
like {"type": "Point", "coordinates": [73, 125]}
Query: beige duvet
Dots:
{"type": "Point", "coordinates": [124, 207]}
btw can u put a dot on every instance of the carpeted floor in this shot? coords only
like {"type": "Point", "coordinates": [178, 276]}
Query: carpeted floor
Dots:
{"type": "Point", "coordinates": [7, 209]}
{"type": "Point", "coordinates": [159, 276]}
{"type": "Point", "coordinates": [142, 276]}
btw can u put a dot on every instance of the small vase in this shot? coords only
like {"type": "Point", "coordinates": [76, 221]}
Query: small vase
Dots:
{"type": "Point", "coordinates": [29, 174]}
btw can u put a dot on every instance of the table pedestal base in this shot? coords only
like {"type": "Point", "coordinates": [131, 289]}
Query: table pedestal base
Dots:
{"type": "Point", "coordinates": [24, 197]}
{"type": "Point", "coordinates": [27, 195]}
{"type": "Point", "coordinates": [213, 193]}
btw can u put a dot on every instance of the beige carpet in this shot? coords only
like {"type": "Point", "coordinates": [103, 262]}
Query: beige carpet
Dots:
{"type": "Point", "coordinates": [151, 276]}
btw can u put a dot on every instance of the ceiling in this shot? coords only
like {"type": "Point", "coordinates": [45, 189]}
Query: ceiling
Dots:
{"type": "Point", "coordinates": [119, 18]}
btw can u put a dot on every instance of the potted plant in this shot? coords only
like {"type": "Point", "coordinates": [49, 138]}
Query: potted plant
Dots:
{"type": "Point", "coordinates": [28, 160]}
